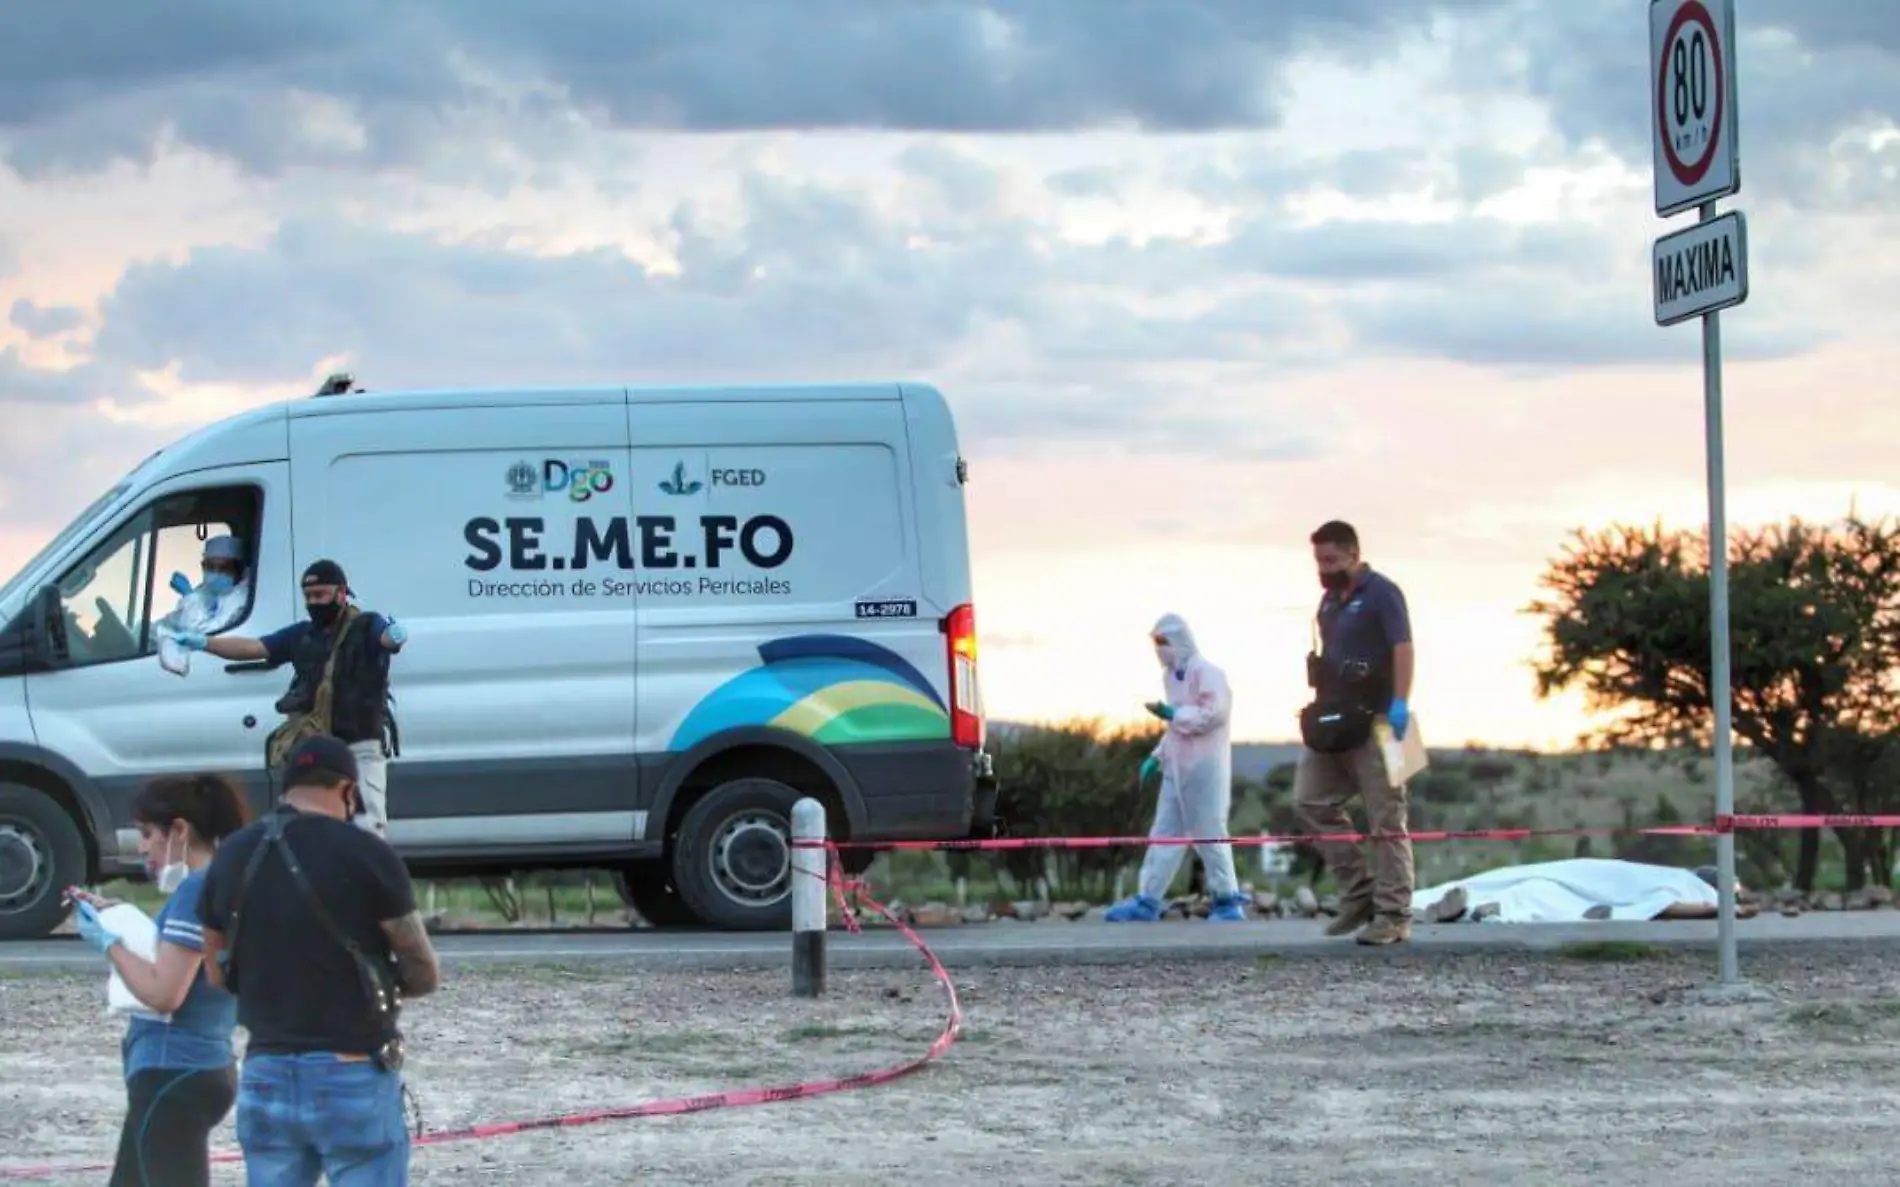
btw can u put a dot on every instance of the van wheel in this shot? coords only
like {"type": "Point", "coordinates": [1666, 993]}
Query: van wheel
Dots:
{"type": "Point", "coordinates": [643, 887]}
{"type": "Point", "coordinates": [732, 860]}
{"type": "Point", "coordinates": [41, 854]}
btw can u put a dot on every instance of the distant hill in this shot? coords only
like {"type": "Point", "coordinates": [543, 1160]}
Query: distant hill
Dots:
{"type": "Point", "coordinates": [1252, 760]}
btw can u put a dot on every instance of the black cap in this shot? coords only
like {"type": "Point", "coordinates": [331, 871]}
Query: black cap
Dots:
{"type": "Point", "coordinates": [319, 760]}
{"type": "Point", "coordinates": [325, 572]}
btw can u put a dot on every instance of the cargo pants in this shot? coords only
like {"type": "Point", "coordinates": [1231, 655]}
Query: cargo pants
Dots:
{"type": "Point", "coordinates": [1322, 787]}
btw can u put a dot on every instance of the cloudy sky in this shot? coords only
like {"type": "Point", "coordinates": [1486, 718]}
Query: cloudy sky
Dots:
{"type": "Point", "coordinates": [1195, 274]}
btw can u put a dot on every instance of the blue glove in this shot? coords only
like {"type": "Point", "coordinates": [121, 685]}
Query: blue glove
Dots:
{"type": "Point", "coordinates": [398, 633]}
{"type": "Point", "coordinates": [1400, 716]}
{"type": "Point", "coordinates": [1149, 766]}
{"type": "Point", "coordinates": [1161, 709]}
{"type": "Point", "coordinates": [191, 640]}
{"type": "Point", "coordinates": [181, 584]}
{"type": "Point", "coordinates": [94, 932]}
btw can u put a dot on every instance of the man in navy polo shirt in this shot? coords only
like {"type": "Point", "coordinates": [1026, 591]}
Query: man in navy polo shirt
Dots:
{"type": "Point", "coordinates": [1364, 665]}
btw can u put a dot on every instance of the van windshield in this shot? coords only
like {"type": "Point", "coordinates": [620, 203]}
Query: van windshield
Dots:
{"type": "Point", "coordinates": [84, 520]}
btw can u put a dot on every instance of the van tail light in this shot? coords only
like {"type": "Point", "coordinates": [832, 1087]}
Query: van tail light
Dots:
{"type": "Point", "coordinates": [966, 700]}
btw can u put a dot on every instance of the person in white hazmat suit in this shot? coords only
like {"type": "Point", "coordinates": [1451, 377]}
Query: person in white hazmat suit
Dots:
{"type": "Point", "coordinates": [1196, 762]}
{"type": "Point", "coordinates": [217, 602]}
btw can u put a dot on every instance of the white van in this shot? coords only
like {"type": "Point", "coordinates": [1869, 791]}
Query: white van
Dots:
{"type": "Point", "coordinates": [642, 623]}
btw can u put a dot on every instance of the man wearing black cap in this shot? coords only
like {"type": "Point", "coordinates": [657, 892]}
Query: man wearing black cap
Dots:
{"type": "Point", "coordinates": [312, 924]}
{"type": "Point", "coordinates": [353, 704]}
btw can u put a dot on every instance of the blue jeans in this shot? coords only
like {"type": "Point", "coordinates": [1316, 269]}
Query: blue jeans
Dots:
{"type": "Point", "coordinates": [299, 1116]}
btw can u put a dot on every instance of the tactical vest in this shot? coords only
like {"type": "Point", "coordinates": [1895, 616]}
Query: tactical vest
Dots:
{"type": "Point", "coordinates": [359, 698]}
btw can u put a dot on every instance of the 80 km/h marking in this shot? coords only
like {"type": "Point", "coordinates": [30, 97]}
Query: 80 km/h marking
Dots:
{"type": "Point", "coordinates": [1691, 92]}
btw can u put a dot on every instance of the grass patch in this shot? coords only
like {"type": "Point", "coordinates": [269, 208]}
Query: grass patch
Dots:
{"type": "Point", "coordinates": [1609, 951]}
{"type": "Point", "coordinates": [813, 1031]}
{"type": "Point", "coordinates": [651, 1043]}
{"type": "Point", "coordinates": [1845, 1015]}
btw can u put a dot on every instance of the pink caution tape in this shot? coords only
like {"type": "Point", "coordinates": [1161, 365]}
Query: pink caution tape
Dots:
{"type": "Point", "coordinates": [952, 1028]}
{"type": "Point", "coordinates": [1468, 834]}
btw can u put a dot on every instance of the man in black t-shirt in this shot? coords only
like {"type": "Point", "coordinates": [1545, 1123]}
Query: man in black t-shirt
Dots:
{"type": "Point", "coordinates": [321, 1088]}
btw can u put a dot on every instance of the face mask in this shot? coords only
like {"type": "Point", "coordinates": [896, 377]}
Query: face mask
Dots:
{"type": "Point", "coordinates": [1336, 581]}
{"type": "Point", "coordinates": [172, 874]}
{"type": "Point", "coordinates": [325, 614]}
{"type": "Point", "coordinates": [219, 584]}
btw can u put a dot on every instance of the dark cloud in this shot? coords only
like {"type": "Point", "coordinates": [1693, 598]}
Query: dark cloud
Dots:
{"type": "Point", "coordinates": [83, 85]}
{"type": "Point", "coordinates": [45, 321]}
{"type": "Point", "coordinates": [1806, 72]}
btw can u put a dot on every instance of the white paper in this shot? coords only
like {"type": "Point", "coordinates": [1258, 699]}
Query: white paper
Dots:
{"type": "Point", "coordinates": [140, 936]}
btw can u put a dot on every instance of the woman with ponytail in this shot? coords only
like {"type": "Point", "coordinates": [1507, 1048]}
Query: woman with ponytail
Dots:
{"type": "Point", "coordinates": [180, 1068]}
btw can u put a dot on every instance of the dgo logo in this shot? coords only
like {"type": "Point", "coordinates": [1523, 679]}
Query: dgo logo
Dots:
{"type": "Point", "coordinates": [581, 481]}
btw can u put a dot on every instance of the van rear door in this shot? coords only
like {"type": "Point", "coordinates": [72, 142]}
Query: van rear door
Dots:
{"type": "Point", "coordinates": [792, 547]}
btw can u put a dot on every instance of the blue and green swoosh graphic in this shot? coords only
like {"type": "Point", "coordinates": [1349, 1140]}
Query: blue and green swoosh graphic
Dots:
{"type": "Point", "coordinates": [834, 689]}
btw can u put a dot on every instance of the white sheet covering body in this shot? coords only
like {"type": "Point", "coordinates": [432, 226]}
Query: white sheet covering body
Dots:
{"type": "Point", "coordinates": [1561, 891]}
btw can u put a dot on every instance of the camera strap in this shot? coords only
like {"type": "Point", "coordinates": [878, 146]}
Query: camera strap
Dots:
{"type": "Point", "coordinates": [373, 983]}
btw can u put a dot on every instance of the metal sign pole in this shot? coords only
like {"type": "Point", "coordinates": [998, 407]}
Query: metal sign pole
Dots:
{"type": "Point", "coordinates": [1700, 271]}
{"type": "Point", "coordinates": [1719, 680]}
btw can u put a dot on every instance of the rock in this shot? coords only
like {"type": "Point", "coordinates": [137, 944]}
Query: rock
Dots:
{"type": "Point", "coordinates": [1030, 909]}
{"type": "Point", "coordinates": [1861, 900]}
{"type": "Point", "coordinates": [1329, 905]}
{"type": "Point", "coordinates": [977, 914]}
{"type": "Point", "coordinates": [1179, 909]}
{"type": "Point", "coordinates": [1306, 902]}
{"type": "Point", "coordinates": [1003, 909]}
{"type": "Point", "coordinates": [1071, 911]}
{"type": "Point", "coordinates": [1266, 903]}
{"type": "Point", "coordinates": [936, 915]}
{"type": "Point", "coordinates": [1791, 908]}
{"type": "Point", "coordinates": [1881, 895]}
{"type": "Point", "coordinates": [1831, 902]}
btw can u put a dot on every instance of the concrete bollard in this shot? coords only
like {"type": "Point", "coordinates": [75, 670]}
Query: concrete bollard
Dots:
{"type": "Point", "coordinates": [809, 867]}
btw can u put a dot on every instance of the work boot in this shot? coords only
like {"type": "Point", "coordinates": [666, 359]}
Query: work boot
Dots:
{"type": "Point", "coordinates": [1449, 908]}
{"type": "Point", "coordinates": [1387, 929]}
{"type": "Point", "coordinates": [1352, 914]}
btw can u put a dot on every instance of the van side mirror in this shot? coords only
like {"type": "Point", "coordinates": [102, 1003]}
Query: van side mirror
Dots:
{"type": "Point", "coordinates": [48, 645]}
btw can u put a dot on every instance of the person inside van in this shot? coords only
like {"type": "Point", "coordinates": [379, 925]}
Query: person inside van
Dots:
{"type": "Point", "coordinates": [358, 705]}
{"type": "Point", "coordinates": [212, 605]}
{"type": "Point", "coordinates": [180, 1067]}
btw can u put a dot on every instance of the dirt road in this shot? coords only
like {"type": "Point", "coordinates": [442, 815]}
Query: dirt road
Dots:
{"type": "Point", "coordinates": [1424, 1067]}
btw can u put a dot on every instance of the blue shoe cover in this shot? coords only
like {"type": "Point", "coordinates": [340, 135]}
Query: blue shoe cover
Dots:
{"type": "Point", "coordinates": [1140, 909]}
{"type": "Point", "coordinates": [1231, 909]}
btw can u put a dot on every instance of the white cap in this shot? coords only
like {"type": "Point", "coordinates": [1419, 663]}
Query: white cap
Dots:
{"type": "Point", "coordinates": [223, 548]}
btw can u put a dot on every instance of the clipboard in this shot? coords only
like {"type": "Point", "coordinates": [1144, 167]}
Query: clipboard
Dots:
{"type": "Point", "coordinates": [1404, 759]}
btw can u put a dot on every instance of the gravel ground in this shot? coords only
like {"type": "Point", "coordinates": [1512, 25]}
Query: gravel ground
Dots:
{"type": "Point", "coordinates": [1363, 1066]}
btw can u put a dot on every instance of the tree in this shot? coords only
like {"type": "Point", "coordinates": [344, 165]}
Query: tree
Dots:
{"type": "Point", "coordinates": [1814, 619]}
{"type": "Point", "coordinates": [1071, 780]}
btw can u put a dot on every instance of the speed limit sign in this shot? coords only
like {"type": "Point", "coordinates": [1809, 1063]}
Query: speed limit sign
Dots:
{"type": "Point", "coordinates": [1692, 96]}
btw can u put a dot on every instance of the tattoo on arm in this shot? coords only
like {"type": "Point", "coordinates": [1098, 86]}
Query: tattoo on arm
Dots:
{"type": "Point", "coordinates": [416, 964]}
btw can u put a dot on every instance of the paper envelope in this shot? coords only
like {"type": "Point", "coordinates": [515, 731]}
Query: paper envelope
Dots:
{"type": "Point", "coordinates": [1403, 759]}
